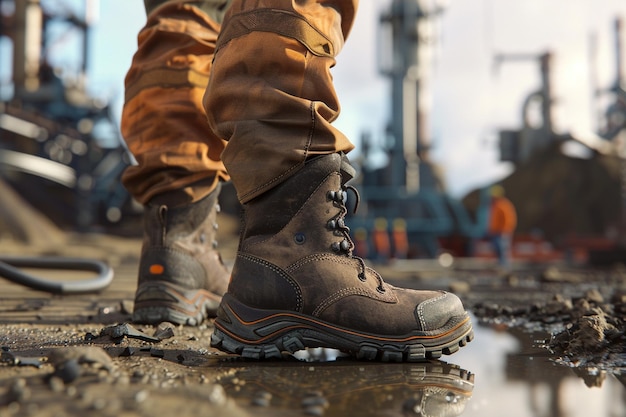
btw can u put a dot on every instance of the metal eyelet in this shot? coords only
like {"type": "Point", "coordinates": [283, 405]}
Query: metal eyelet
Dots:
{"type": "Point", "coordinates": [299, 238]}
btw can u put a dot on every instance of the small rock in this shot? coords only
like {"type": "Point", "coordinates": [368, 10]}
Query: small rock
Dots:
{"type": "Point", "coordinates": [18, 392]}
{"type": "Point", "coordinates": [141, 396]}
{"type": "Point", "coordinates": [315, 401]}
{"type": "Point", "coordinates": [551, 274]}
{"type": "Point", "coordinates": [594, 295]}
{"type": "Point", "coordinates": [118, 332]}
{"type": "Point", "coordinates": [83, 354]}
{"type": "Point", "coordinates": [164, 331]}
{"type": "Point", "coordinates": [126, 306]}
{"type": "Point", "coordinates": [128, 351]}
{"type": "Point", "coordinates": [217, 395]}
{"type": "Point", "coordinates": [56, 384]}
{"type": "Point", "coordinates": [262, 399]}
{"type": "Point", "coordinates": [559, 304]}
{"type": "Point", "coordinates": [317, 411]}
{"type": "Point", "coordinates": [99, 404]}
{"type": "Point", "coordinates": [68, 371]}
{"type": "Point", "coordinates": [460, 287]}
{"type": "Point", "coordinates": [513, 280]}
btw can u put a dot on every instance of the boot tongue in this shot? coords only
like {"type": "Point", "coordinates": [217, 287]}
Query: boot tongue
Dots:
{"type": "Point", "coordinates": [347, 171]}
{"type": "Point", "coordinates": [345, 168]}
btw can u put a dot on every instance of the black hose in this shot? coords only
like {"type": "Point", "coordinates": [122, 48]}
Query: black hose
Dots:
{"type": "Point", "coordinates": [9, 270]}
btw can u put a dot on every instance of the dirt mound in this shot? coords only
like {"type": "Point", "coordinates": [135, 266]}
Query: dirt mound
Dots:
{"type": "Point", "coordinates": [586, 330]}
{"type": "Point", "coordinates": [561, 196]}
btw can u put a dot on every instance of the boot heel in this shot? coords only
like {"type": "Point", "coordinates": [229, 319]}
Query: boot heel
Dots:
{"type": "Point", "coordinates": [159, 301]}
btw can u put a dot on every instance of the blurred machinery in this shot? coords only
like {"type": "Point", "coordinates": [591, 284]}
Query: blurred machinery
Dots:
{"type": "Point", "coordinates": [409, 187]}
{"type": "Point", "coordinates": [571, 187]}
{"type": "Point", "coordinates": [518, 145]}
{"type": "Point", "coordinates": [59, 147]}
{"type": "Point", "coordinates": [556, 196]}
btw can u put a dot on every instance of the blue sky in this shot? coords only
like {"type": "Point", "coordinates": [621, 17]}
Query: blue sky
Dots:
{"type": "Point", "coordinates": [469, 101]}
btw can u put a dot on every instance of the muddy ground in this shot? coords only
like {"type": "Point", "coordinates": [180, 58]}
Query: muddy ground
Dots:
{"type": "Point", "coordinates": [76, 355]}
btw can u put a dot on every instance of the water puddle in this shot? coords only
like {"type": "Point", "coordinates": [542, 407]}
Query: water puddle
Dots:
{"type": "Point", "coordinates": [515, 377]}
{"type": "Point", "coordinates": [501, 373]}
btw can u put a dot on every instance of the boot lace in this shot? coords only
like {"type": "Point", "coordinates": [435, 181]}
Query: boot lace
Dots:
{"type": "Point", "coordinates": [338, 225]}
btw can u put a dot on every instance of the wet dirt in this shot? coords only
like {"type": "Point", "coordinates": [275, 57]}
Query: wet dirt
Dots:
{"type": "Point", "coordinates": [81, 355]}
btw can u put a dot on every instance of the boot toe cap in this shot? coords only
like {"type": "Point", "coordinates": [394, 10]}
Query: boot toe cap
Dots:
{"type": "Point", "coordinates": [434, 313]}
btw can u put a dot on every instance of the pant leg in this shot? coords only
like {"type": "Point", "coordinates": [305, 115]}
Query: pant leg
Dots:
{"type": "Point", "coordinates": [163, 120]}
{"type": "Point", "coordinates": [270, 94]}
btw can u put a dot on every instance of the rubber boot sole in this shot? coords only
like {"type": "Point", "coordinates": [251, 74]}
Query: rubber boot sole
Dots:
{"type": "Point", "coordinates": [159, 301]}
{"type": "Point", "coordinates": [265, 334]}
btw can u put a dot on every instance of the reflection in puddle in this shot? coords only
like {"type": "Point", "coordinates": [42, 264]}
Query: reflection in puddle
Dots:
{"type": "Point", "coordinates": [514, 377]}
{"type": "Point", "coordinates": [347, 387]}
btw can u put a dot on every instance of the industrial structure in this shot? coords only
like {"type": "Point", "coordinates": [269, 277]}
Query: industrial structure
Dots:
{"type": "Point", "coordinates": [409, 189]}
{"type": "Point", "coordinates": [56, 140]}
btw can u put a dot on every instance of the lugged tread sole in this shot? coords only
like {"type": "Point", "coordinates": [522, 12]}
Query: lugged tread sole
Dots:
{"type": "Point", "coordinates": [292, 342]}
{"type": "Point", "coordinates": [290, 332]}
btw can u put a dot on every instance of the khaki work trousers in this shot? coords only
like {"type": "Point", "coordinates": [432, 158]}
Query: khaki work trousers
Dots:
{"type": "Point", "coordinates": [249, 99]}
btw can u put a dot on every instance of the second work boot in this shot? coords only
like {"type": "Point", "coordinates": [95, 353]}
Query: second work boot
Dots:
{"type": "Point", "coordinates": [296, 284]}
{"type": "Point", "coordinates": [181, 274]}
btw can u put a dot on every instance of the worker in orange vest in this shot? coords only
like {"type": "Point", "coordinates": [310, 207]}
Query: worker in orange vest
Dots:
{"type": "Point", "coordinates": [380, 237]}
{"type": "Point", "coordinates": [502, 224]}
{"type": "Point", "coordinates": [400, 239]}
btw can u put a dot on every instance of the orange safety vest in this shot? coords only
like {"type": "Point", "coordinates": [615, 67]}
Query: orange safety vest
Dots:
{"type": "Point", "coordinates": [503, 217]}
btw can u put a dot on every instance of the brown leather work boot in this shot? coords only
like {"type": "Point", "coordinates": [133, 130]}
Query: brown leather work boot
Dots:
{"type": "Point", "coordinates": [181, 274]}
{"type": "Point", "coordinates": [295, 283]}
